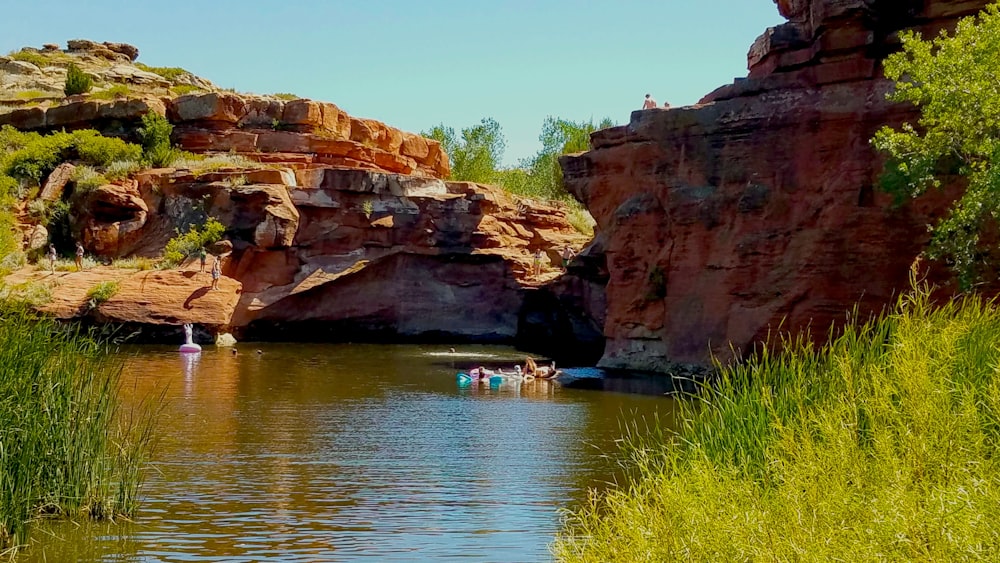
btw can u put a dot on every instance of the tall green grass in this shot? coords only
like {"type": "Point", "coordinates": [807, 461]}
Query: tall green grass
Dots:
{"type": "Point", "coordinates": [67, 449]}
{"type": "Point", "coordinates": [881, 445]}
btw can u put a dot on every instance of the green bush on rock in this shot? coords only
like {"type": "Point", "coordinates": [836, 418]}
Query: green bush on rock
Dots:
{"type": "Point", "coordinates": [77, 81]}
{"type": "Point", "coordinates": [193, 240]}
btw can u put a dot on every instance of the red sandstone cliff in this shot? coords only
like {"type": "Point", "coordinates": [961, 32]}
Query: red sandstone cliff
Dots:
{"type": "Point", "coordinates": [758, 208]}
{"type": "Point", "coordinates": [340, 228]}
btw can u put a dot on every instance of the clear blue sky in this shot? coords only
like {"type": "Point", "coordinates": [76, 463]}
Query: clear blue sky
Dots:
{"type": "Point", "coordinates": [414, 64]}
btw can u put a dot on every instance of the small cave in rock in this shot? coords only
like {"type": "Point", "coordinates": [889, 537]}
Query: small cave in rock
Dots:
{"type": "Point", "coordinates": [104, 212]}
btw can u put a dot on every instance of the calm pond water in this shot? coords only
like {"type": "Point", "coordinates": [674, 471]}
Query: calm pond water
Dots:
{"type": "Point", "coordinates": [346, 452]}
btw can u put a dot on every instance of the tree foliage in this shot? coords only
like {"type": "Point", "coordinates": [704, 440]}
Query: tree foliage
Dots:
{"type": "Point", "coordinates": [542, 175]}
{"type": "Point", "coordinates": [189, 243]}
{"type": "Point", "coordinates": [477, 154]}
{"type": "Point", "coordinates": [953, 81]}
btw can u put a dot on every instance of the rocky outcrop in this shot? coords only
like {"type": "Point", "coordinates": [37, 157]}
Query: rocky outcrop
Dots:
{"type": "Point", "coordinates": [757, 210]}
{"type": "Point", "coordinates": [264, 129]}
{"type": "Point", "coordinates": [337, 227]}
{"type": "Point", "coordinates": [319, 252]}
{"type": "Point", "coordinates": [151, 297]}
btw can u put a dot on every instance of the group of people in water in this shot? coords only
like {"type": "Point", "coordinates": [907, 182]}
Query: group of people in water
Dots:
{"type": "Point", "coordinates": [531, 370]}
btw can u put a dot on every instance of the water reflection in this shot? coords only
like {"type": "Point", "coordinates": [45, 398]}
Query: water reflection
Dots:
{"type": "Point", "coordinates": [333, 453]}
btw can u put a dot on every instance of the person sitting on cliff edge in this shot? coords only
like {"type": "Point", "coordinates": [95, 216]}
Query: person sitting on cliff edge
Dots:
{"type": "Point", "coordinates": [650, 103]}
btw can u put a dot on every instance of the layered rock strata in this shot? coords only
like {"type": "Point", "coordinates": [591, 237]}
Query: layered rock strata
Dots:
{"type": "Point", "coordinates": [757, 210]}
{"type": "Point", "coordinates": [319, 253]}
{"type": "Point", "coordinates": [260, 128]}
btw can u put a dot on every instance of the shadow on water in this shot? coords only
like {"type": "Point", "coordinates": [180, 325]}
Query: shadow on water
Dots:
{"type": "Point", "coordinates": [622, 381]}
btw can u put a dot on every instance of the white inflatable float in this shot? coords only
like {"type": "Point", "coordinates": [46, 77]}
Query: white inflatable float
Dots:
{"type": "Point", "coordinates": [189, 347]}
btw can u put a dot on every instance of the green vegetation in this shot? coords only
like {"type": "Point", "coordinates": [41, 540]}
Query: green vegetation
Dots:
{"type": "Point", "coordinates": [86, 179]}
{"type": "Point", "coordinates": [32, 294]}
{"type": "Point", "coordinates": [200, 164]}
{"type": "Point", "coordinates": [286, 96]}
{"type": "Point", "coordinates": [119, 169]}
{"type": "Point", "coordinates": [134, 263]}
{"type": "Point", "coordinates": [31, 94]}
{"type": "Point", "coordinates": [581, 220]}
{"type": "Point", "coordinates": [881, 445]}
{"type": "Point", "coordinates": [77, 81]}
{"type": "Point", "coordinates": [236, 181]}
{"type": "Point", "coordinates": [184, 89]}
{"type": "Point", "coordinates": [26, 159]}
{"type": "Point", "coordinates": [33, 57]}
{"type": "Point", "coordinates": [191, 242]}
{"type": "Point", "coordinates": [477, 155]}
{"type": "Point", "coordinates": [67, 450]}
{"type": "Point", "coordinates": [155, 138]}
{"type": "Point", "coordinates": [543, 178]}
{"type": "Point", "coordinates": [102, 292]}
{"type": "Point", "coordinates": [171, 73]}
{"type": "Point", "coordinates": [112, 92]}
{"type": "Point", "coordinates": [951, 79]}
{"type": "Point", "coordinates": [31, 156]}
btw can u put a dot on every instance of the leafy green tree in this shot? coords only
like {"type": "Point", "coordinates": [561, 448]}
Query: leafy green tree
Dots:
{"type": "Point", "coordinates": [188, 244]}
{"type": "Point", "coordinates": [477, 155]}
{"type": "Point", "coordinates": [952, 79]}
{"type": "Point", "coordinates": [77, 81]}
{"type": "Point", "coordinates": [543, 175]}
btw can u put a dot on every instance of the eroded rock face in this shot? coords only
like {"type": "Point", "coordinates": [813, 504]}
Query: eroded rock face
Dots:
{"type": "Point", "coordinates": [758, 209]}
{"type": "Point", "coordinates": [258, 128]}
{"type": "Point", "coordinates": [325, 253]}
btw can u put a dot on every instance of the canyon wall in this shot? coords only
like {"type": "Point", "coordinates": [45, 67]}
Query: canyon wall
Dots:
{"type": "Point", "coordinates": [337, 228]}
{"type": "Point", "coordinates": [757, 210]}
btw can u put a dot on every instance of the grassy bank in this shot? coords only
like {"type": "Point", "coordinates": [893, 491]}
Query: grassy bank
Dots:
{"type": "Point", "coordinates": [66, 448]}
{"type": "Point", "coordinates": [880, 446]}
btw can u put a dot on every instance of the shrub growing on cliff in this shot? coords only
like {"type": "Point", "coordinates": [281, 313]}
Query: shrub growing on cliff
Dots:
{"type": "Point", "coordinates": [77, 81]}
{"type": "Point", "coordinates": [101, 292]}
{"type": "Point", "coordinates": [189, 243]}
{"type": "Point", "coordinates": [155, 135]}
{"type": "Point", "coordinates": [35, 156]}
{"type": "Point", "coordinates": [952, 80]}
{"type": "Point", "coordinates": [881, 446]}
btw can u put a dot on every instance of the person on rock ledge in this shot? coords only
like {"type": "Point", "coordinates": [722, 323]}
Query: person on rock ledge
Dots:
{"type": "Point", "coordinates": [650, 103]}
{"type": "Point", "coordinates": [567, 255]}
{"type": "Point", "coordinates": [216, 272]}
{"type": "Point", "coordinates": [79, 256]}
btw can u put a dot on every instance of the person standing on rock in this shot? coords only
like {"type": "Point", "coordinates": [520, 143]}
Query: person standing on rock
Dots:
{"type": "Point", "coordinates": [79, 256]}
{"type": "Point", "coordinates": [202, 255]}
{"type": "Point", "coordinates": [216, 272]}
{"type": "Point", "coordinates": [567, 255]}
{"type": "Point", "coordinates": [537, 264]}
{"type": "Point", "coordinates": [52, 258]}
{"type": "Point", "coordinates": [650, 103]}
